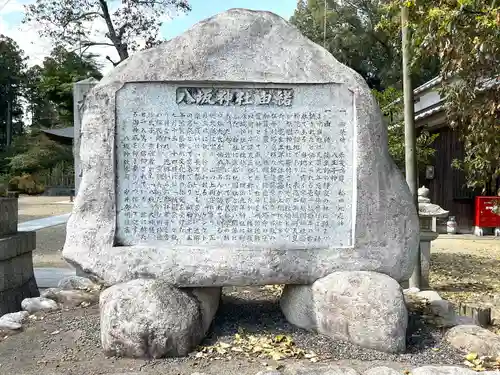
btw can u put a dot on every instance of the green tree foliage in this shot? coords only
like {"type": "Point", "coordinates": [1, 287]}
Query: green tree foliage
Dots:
{"type": "Point", "coordinates": [33, 152]}
{"type": "Point", "coordinates": [12, 65]}
{"type": "Point", "coordinates": [30, 158]}
{"type": "Point", "coordinates": [389, 101]}
{"type": "Point", "coordinates": [47, 90]}
{"type": "Point", "coordinates": [465, 34]}
{"type": "Point", "coordinates": [129, 23]}
{"type": "Point", "coordinates": [51, 86]}
{"type": "Point", "coordinates": [41, 111]}
{"type": "Point", "coordinates": [353, 38]}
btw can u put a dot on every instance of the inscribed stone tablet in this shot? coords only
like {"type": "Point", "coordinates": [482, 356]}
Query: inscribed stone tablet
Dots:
{"type": "Point", "coordinates": [246, 165]}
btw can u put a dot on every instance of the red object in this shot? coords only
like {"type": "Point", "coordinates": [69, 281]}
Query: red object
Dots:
{"type": "Point", "coordinates": [484, 216]}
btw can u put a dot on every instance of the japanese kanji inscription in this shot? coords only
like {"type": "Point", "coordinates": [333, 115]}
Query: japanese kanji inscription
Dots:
{"type": "Point", "coordinates": [235, 165]}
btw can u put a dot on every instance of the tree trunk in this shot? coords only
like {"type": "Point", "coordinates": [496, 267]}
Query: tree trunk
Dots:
{"type": "Point", "coordinates": [120, 47]}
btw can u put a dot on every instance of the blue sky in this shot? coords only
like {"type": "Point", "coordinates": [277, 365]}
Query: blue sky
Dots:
{"type": "Point", "coordinates": [11, 15]}
{"type": "Point", "coordinates": [206, 8]}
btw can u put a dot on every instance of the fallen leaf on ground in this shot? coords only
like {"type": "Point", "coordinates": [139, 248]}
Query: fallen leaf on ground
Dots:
{"type": "Point", "coordinates": [263, 346]}
{"type": "Point", "coordinates": [275, 289]}
{"type": "Point", "coordinates": [479, 364]}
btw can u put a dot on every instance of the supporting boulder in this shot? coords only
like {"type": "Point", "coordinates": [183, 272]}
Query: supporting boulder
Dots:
{"type": "Point", "coordinates": [365, 308]}
{"type": "Point", "coordinates": [149, 318]}
{"type": "Point", "coordinates": [471, 338]}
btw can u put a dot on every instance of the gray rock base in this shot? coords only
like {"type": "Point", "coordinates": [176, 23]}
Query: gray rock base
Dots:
{"type": "Point", "coordinates": [77, 283]}
{"type": "Point", "coordinates": [149, 318]}
{"type": "Point", "coordinates": [365, 308]}
{"type": "Point", "coordinates": [17, 279]}
{"type": "Point", "coordinates": [72, 298]}
{"type": "Point", "coordinates": [382, 371]}
{"type": "Point", "coordinates": [36, 304]}
{"type": "Point", "coordinates": [471, 338]}
{"type": "Point", "coordinates": [10, 299]}
{"type": "Point", "coordinates": [446, 370]}
{"type": "Point", "coordinates": [13, 321]}
{"type": "Point", "coordinates": [318, 370]}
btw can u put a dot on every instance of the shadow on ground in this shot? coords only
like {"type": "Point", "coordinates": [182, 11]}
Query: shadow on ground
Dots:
{"type": "Point", "coordinates": [255, 311]}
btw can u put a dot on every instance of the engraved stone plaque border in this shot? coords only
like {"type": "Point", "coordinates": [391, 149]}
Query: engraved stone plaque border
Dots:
{"type": "Point", "coordinates": [288, 150]}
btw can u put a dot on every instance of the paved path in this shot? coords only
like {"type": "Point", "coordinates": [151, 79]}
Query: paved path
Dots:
{"type": "Point", "coordinates": [46, 222]}
{"type": "Point", "coordinates": [49, 277]}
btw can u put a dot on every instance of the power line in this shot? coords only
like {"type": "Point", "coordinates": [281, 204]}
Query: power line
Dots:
{"type": "Point", "coordinates": [4, 5]}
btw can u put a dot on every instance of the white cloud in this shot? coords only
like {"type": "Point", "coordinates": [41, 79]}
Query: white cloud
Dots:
{"type": "Point", "coordinates": [37, 48]}
{"type": "Point", "coordinates": [9, 6]}
{"type": "Point", "coordinates": [34, 47]}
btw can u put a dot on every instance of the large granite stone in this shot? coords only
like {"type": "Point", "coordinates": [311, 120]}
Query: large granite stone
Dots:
{"type": "Point", "coordinates": [381, 371]}
{"type": "Point", "coordinates": [365, 308]}
{"type": "Point", "coordinates": [150, 318]}
{"type": "Point", "coordinates": [316, 369]}
{"type": "Point", "coordinates": [259, 50]}
{"type": "Point", "coordinates": [474, 339]}
{"type": "Point", "coordinates": [443, 370]}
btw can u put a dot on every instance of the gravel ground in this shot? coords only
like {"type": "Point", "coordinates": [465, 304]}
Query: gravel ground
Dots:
{"type": "Point", "coordinates": [67, 342]}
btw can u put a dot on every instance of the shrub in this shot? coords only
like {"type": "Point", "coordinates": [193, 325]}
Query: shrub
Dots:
{"type": "Point", "coordinates": [26, 184]}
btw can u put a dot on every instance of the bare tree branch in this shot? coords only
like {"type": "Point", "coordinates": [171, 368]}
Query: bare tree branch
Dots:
{"type": "Point", "coordinates": [82, 16]}
{"type": "Point", "coordinates": [111, 61]}
{"type": "Point", "coordinates": [121, 48]}
{"type": "Point", "coordinates": [91, 44]}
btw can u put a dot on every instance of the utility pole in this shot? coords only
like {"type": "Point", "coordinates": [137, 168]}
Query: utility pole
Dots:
{"type": "Point", "coordinates": [410, 139]}
{"type": "Point", "coordinates": [324, 26]}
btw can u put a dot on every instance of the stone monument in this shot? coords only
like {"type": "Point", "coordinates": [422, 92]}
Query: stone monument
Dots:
{"type": "Point", "coordinates": [80, 90]}
{"type": "Point", "coordinates": [239, 153]}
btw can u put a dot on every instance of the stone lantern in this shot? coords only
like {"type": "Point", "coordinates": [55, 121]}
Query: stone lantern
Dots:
{"type": "Point", "coordinates": [428, 213]}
